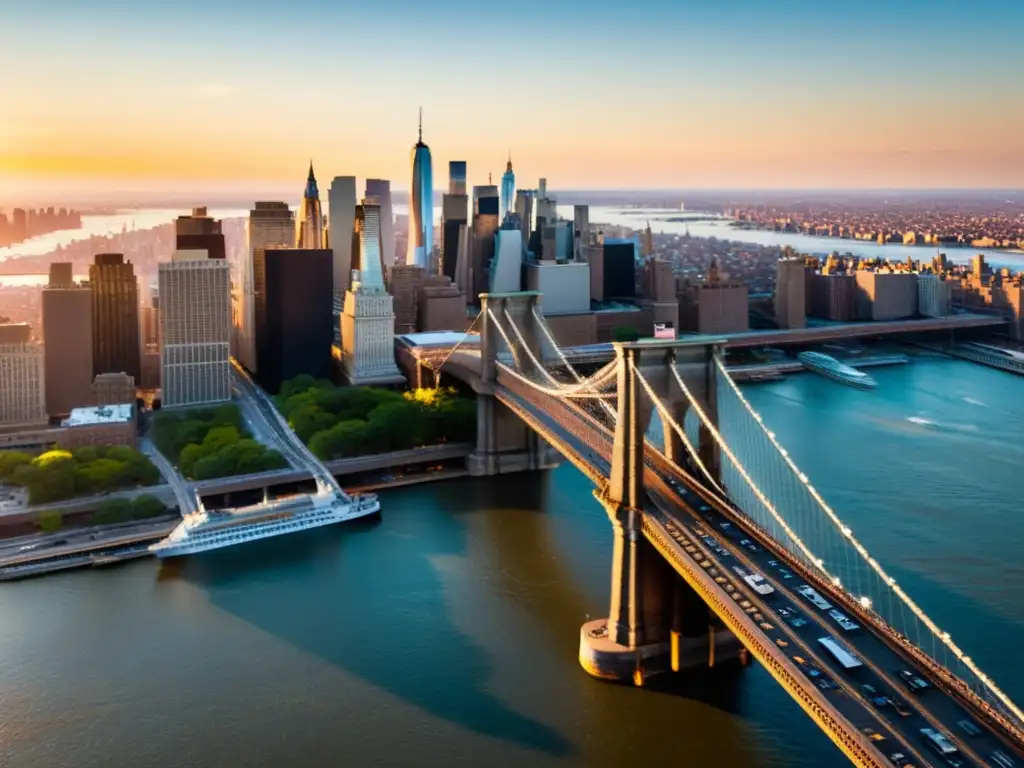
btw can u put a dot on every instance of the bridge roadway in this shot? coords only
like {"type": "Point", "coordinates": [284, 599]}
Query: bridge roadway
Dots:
{"type": "Point", "coordinates": [681, 520]}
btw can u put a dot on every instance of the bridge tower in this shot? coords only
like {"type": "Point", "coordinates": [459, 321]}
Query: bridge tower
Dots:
{"type": "Point", "coordinates": [504, 443]}
{"type": "Point", "coordinates": [656, 622]}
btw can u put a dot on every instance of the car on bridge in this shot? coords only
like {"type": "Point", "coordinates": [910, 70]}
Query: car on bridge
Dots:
{"type": "Point", "coordinates": [874, 696]}
{"type": "Point", "coordinates": [901, 706]}
{"type": "Point", "coordinates": [913, 681]}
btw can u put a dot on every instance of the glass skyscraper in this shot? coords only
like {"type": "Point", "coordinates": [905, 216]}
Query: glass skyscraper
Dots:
{"type": "Point", "coordinates": [456, 177]}
{"type": "Point", "coordinates": [310, 222]}
{"type": "Point", "coordinates": [421, 205]}
{"type": "Point", "coordinates": [508, 188]}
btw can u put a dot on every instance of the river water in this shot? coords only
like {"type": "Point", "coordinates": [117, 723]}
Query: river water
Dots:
{"type": "Point", "coordinates": [447, 634]}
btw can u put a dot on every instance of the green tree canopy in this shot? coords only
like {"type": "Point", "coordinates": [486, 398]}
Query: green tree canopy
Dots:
{"type": "Point", "coordinates": [625, 333]}
{"type": "Point", "coordinates": [50, 520]}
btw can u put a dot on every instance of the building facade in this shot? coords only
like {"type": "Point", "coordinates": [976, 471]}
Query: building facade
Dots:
{"type": "Point", "coordinates": [508, 189]}
{"type": "Point", "coordinates": [199, 232]}
{"type": "Point", "coordinates": [22, 378]}
{"type": "Point", "coordinates": [195, 326]}
{"type": "Point", "coordinates": [791, 293]}
{"type": "Point", "coordinates": [115, 316]}
{"type": "Point", "coordinates": [368, 325]}
{"type": "Point", "coordinates": [421, 205]}
{"type": "Point", "coordinates": [67, 337]}
{"type": "Point", "coordinates": [933, 296]}
{"type": "Point", "coordinates": [294, 301]}
{"type": "Point", "coordinates": [271, 225]}
{"type": "Point", "coordinates": [380, 190]}
{"type": "Point", "coordinates": [113, 389]}
{"type": "Point", "coordinates": [341, 201]}
{"type": "Point", "coordinates": [309, 224]}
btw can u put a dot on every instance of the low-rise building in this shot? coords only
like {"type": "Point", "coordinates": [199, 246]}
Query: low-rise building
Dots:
{"type": "Point", "coordinates": [99, 425]}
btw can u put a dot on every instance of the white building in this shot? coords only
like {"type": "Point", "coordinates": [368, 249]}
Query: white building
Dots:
{"type": "Point", "coordinates": [271, 225]}
{"type": "Point", "coordinates": [565, 287]}
{"type": "Point", "coordinates": [341, 211]}
{"type": "Point", "coordinates": [380, 190]}
{"type": "Point", "coordinates": [22, 384]}
{"type": "Point", "coordinates": [933, 296]}
{"type": "Point", "coordinates": [368, 322]}
{"type": "Point", "coordinates": [195, 325]}
{"type": "Point", "coordinates": [507, 265]}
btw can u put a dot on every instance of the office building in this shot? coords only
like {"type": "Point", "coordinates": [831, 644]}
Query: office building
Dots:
{"type": "Point", "coordinates": [456, 177]}
{"type": "Point", "coordinates": [113, 389]}
{"type": "Point", "coordinates": [199, 232]}
{"type": "Point", "coordinates": [67, 338]}
{"type": "Point", "coordinates": [933, 296]}
{"type": "Point", "coordinates": [486, 219]}
{"type": "Point", "coordinates": [115, 316]}
{"type": "Point", "coordinates": [368, 325]}
{"type": "Point", "coordinates": [580, 230]}
{"type": "Point", "coordinates": [832, 296]}
{"type": "Point", "coordinates": [310, 221]}
{"type": "Point", "coordinates": [454, 216]}
{"type": "Point", "coordinates": [271, 225]}
{"type": "Point", "coordinates": [195, 326]}
{"type": "Point", "coordinates": [421, 205]}
{"type": "Point", "coordinates": [885, 295]}
{"type": "Point", "coordinates": [617, 274]}
{"type": "Point", "coordinates": [440, 306]}
{"type": "Point", "coordinates": [380, 190]}
{"type": "Point", "coordinates": [404, 284]}
{"type": "Point", "coordinates": [524, 212]}
{"type": "Point", "coordinates": [565, 287]}
{"type": "Point", "coordinates": [508, 188]}
{"type": "Point", "coordinates": [294, 298]}
{"type": "Point", "coordinates": [22, 378]}
{"type": "Point", "coordinates": [790, 293]}
{"type": "Point", "coordinates": [716, 305]}
{"type": "Point", "coordinates": [507, 267]}
{"type": "Point", "coordinates": [341, 200]}
{"type": "Point", "coordinates": [557, 241]}
{"type": "Point", "coordinates": [100, 425]}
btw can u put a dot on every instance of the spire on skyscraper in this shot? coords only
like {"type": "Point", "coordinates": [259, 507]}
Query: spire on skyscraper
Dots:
{"type": "Point", "coordinates": [310, 222]}
{"type": "Point", "coordinates": [311, 190]}
{"type": "Point", "coordinates": [421, 125]}
{"type": "Point", "coordinates": [421, 212]}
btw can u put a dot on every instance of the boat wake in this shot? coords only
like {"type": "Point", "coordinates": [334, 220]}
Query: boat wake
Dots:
{"type": "Point", "coordinates": [937, 427]}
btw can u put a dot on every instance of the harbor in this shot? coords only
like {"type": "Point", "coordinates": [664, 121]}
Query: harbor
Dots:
{"type": "Point", "coordinates": [775, 370]}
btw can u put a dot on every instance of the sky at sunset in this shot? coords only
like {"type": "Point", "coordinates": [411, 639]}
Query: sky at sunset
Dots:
{"type": "Point", "coordinates": [641, 94]}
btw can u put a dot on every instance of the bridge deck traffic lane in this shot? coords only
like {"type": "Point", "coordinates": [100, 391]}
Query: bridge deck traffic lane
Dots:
{"type": "Point", "coordinates": [841, 696]}
{"type": "Point", "coordinates": [937, 708]}
{"type": "Point", "coordinates": [574, 443]}
{"type": "Point", "coordinates": [944, 711]}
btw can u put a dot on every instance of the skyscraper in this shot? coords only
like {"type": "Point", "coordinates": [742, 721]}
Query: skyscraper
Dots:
{"type": "Point", "coordinates": [293, 314]}
{"type": "Point", "coordinates": [485, 223]}
{"type": "Point", "coordinates": [456, 177]}
{"type": "Point", "coordinates": [368, 325]}
{"type": "Point", "coordinates": [199, 232]}
{"type": "Point", "coordinates": [195, 323]}
{"type": "Point", "coordinates": [310, 222]}
{"type": "Point", "coordinates": [271, 225]}
{"type": "Point", "coordinates": [421, 205]}
{"type": "Point", "coordinates": [115, 316]}
{"type": "Point", "coordinates": [454, 215]}
{"type": "Point", "coordinates": [380, 190]}
{"type": "Point", "coordinates": [790, 293]}
{"type": "Point", "coordinates": [22, 377]}
{"type": "Point", "coordinates": [341, 199]}
{"type": "Point", "coordinates": [67, 335]}
{"type": "Point", "coordinates": [508, 188]}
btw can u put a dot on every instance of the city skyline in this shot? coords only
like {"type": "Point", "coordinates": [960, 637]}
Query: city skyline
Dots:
{"type": "Point", "coordinates": [693, 97]}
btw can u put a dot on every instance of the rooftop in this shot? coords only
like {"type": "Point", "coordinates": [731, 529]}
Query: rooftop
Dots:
{"type": "Point", "coordinates": [103, 414]}
{"type": "Point", "coordinates": [439, 339]}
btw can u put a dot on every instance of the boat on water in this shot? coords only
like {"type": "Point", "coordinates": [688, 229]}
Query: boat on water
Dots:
{"type": "Point", "coordinates": [826, 365]}
{"type": "Point", "coordinates": [209, 529]}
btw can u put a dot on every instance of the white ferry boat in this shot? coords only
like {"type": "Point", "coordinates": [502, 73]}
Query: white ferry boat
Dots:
{"type": "Point", "coordinates": [828, 366]}
{"type": "Point", "coordinates": [207, 530]}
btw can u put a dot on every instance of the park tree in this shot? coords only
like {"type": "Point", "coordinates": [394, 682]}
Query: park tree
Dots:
{"type": "Point", "coordinates": [147, 506]}
{"type": "Point", "coordinates": [50, 520]}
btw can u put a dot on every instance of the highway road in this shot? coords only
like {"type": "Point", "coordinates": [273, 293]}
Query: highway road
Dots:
{"type": "Point", "coordinates": [687, 515]}
{"type": "Point", "coordinates": [183, 493]}
{"type": "Point", "coordinates": [87, 503]}
{"type": "Point", "coordinates": [261, 428]}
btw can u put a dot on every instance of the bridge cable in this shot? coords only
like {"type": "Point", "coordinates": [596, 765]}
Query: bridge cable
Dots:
{"type": "Point", "coordinates": [922, 617]}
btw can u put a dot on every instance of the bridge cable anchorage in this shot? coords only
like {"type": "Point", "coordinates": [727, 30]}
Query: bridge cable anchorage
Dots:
{"type": "Point", "coordinates": [437, 370]}
{"type": "Point", "coordinates": [989, 685]}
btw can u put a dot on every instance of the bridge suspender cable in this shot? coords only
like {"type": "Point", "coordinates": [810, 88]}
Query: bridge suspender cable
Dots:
{"type": "Point", "coordinates": [872, 563]}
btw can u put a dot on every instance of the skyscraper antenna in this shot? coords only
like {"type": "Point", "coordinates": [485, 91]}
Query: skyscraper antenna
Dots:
{"type": "Point", "coordinates": [421, 124]}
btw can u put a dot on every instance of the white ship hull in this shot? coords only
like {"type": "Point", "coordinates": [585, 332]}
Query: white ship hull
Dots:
{"type": "Point", "coordinates": [195, 542]}
{"type": "Point", "coordinates": [850, 377]}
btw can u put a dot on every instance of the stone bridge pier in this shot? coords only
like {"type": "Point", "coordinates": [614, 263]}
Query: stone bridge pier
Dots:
{"type": "Point", "coordinates": [656, 622]}
{"type": "Point", "coordinates": [504, 442]}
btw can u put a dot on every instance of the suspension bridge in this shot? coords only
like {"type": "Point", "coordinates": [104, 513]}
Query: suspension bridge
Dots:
{"type": "Point", "coordinates": [724, 548]}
